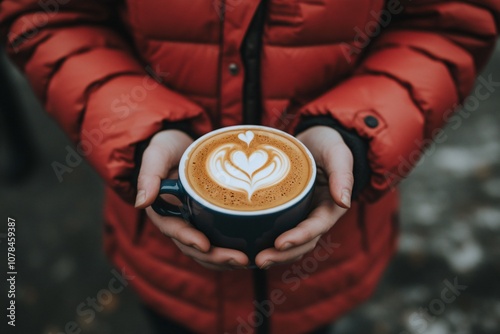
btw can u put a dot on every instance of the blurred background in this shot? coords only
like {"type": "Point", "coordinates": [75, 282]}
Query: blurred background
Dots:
{"type": "Point", "coordinates": [449, 232]}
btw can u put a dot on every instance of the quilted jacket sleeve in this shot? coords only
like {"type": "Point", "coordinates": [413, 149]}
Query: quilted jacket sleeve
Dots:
{"type": "Point", "coordinates": [86, 75]}
{"type": "Point", "coordinates": [410, 80]}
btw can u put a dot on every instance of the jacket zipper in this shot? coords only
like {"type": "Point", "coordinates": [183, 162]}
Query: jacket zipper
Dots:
{"type": "Point", "coordinates": [251, 52]}
{"type": "Point", "coordinates": [260, 290]}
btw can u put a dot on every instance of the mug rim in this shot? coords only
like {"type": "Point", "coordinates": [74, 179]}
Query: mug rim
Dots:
{"type": "Point", "coordinates": [192, 193]}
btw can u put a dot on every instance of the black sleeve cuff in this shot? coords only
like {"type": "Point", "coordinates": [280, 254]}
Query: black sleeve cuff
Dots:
{"type": "Point", "coordinates": [183, 126]}
{"type": "Point", "coordinates": [358, 146]}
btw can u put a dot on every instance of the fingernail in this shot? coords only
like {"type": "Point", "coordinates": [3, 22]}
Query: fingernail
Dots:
{"type": "Point", "coordinates": [286, 246]}
{"type": "Point", "coordinates": [346, 198]}
{"type": "Point", "coordinates": [195, 246]}
{"type": "Point", "coordinates": [235, 263]}
{"type": "Point", "coordinates": [266, 265]}
{"type": "Point", "coordinates": [141, 198]}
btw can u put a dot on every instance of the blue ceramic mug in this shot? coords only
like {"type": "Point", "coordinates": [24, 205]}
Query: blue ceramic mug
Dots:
{"type": "Point", "coordinates": [247, 231]}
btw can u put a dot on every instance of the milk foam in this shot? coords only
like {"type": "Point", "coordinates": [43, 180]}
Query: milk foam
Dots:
{"type": "Point", "coordinates": [237, 167]}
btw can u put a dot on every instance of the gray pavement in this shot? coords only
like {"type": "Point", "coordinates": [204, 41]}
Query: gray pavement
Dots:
{"type": "Point", "coordinates": [450, 236]}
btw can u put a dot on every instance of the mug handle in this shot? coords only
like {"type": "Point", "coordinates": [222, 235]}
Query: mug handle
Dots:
{"type": "Point", "coordinates": [163, 208]}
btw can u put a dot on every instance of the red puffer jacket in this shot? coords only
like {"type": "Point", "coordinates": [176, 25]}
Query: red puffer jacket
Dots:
{"type": "Point", "coordinates": [391, 71]}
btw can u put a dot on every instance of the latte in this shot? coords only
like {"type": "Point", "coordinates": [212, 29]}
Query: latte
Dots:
{"type": "Point", "coordinates": [248, 169]}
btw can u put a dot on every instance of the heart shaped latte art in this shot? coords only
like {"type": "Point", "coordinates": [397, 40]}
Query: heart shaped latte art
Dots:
{"type": "Point", "coordinates": [232, 168]}
{"type": "Point", "coordinates": [247, 137]}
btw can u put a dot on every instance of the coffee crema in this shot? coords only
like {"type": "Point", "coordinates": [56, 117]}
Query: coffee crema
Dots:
{"type": "Point", "coordinates": [248, 169]}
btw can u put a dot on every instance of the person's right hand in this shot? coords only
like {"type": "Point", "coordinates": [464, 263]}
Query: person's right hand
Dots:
{"type": "Point", "coordinates": [160, 160]}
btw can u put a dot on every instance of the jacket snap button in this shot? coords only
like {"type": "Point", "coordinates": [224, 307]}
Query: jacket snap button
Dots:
{"type": "Point", "coordinates": [234, 68]}
{"type": "Point", "coordinates": [371, 122]}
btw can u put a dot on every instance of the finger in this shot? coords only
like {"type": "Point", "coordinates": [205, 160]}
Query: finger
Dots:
{"type": "Point", "coordinates": [213, 266]}
{"type": "Point", "coordinates": [272, 256]}
{"type": "Point", "coordinates": [332, 155]}
{"type": "Point", "coordinates": [163, 153]}
{"type": "Point", "coordinates": [156, 164]}
{"type": "Point", "coordinates": [338, 164]}
{"type": "Point", "coordinates": [315, 225]}
{"type": "Point", "coordinates": [222, 257]}
{"type": "Point", "coordinates": [180, 230]}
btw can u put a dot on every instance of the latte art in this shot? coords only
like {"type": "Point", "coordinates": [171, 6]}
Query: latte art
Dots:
{"type": "Point", "coordinates": [262, 167]}
{"type": "Point", "coordinates": [248, 169]}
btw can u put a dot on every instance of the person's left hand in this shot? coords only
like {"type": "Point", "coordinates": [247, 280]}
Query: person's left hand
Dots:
{"type": "Point", "coordinates": [332, 197]}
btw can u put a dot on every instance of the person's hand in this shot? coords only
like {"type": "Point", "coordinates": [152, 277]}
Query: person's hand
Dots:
{"type": "Point", "coordinates": [332, 197]}
{"type": "Point", "coordinates": [160, 160]}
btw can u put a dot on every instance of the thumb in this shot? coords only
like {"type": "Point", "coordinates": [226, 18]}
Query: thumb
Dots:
{"type": "Point", "coordinates": [334, 158]}
{"type": "Point", "coordinates": [338, 164]}
{"type": "Point", "coordinates": [160, 157]}
{"type": "Point", "coordinates": [155, 167]}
